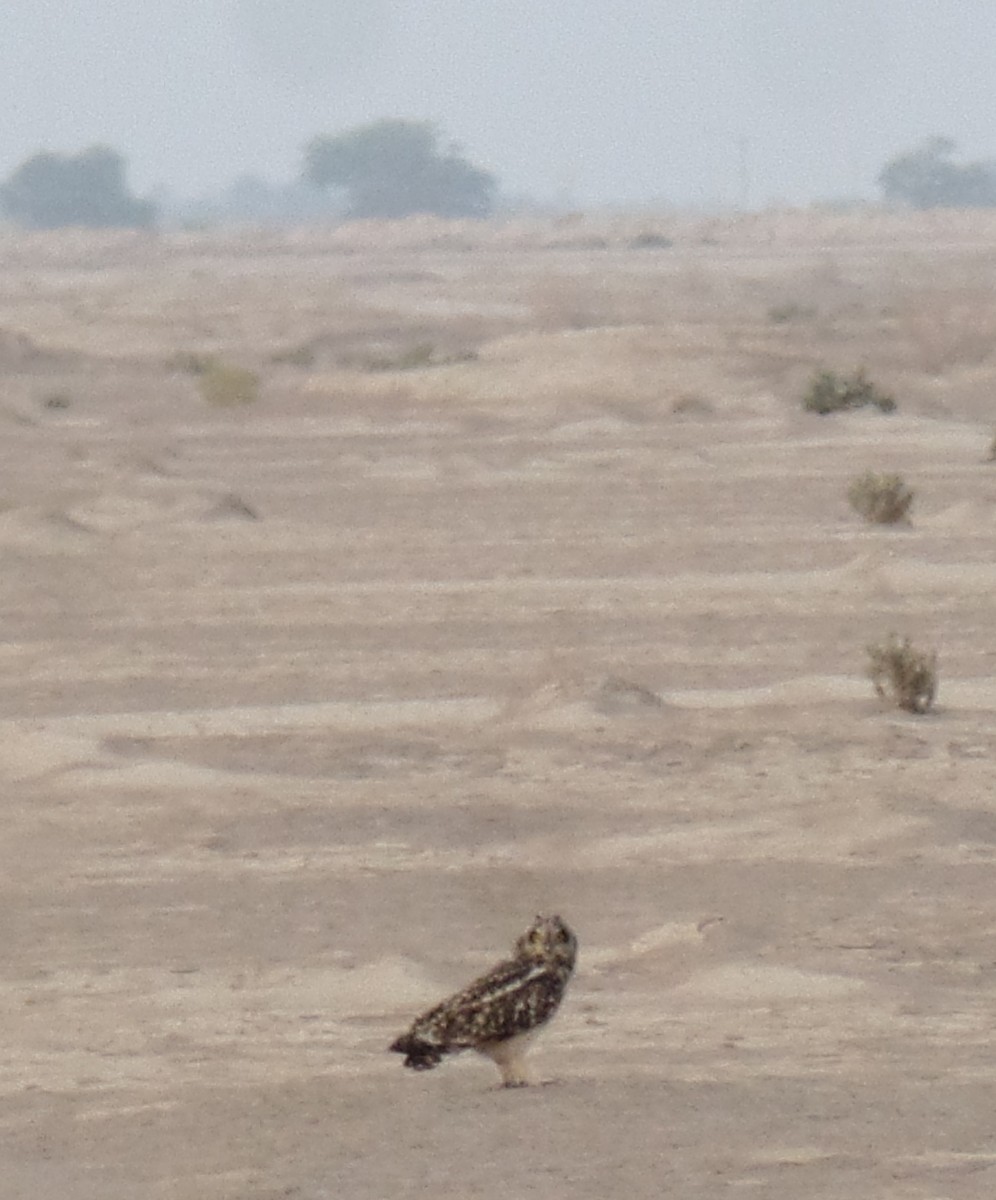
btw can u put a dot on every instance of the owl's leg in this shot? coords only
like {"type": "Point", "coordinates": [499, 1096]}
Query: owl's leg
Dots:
{"type": "Point", "coordinates": [510, 1059]}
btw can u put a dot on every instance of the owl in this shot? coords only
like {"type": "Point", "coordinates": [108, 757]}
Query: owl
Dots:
{"type": "Point", "coordinates": [500, 1014]}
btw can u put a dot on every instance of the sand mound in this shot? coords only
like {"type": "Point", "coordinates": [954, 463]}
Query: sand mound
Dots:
{"type": "Point", "coordinates": [575, 699]}
{"type": "Point", "coordinates": [230, 507]}
{"type": "Point", "coordinates": [753, 983]}
{"type": "Point", "coordinates": [967, 516]}
{"type": "Point", "coordinates": [615, 697]}
{"type": "Point", "coordinates": [17, 351]}
{"type": "Point", "coordinates": [34, 530]}
{"type": "Point", "coordinates": [114, 512]}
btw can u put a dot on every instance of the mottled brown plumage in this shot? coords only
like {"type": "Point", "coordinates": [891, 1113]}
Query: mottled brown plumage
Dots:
{"type": "Point", "coordinates": [499, 1013]}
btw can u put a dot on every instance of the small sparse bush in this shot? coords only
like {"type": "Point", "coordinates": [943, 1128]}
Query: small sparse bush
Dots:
{"type": "Point", "coordinates": [225, 386]}
{"type": "Point", "coordinates": [902, 674]}
{"type": "Point", "coordinates": [295, 356]}
{"type": "Point", "coordinates": [415, 358]}
{"type": "Point", "coordinates": [56, 401]}
{"type": "Point", "coordinates": [881, 499]}
{"type": "Point", "coordinates": [421, 354]}
{"type": "Point", "coordinates": [650, 241]}
{"type": "Point", "coordinates": [691, 404]}
{"type": "Point", "coordinates": [784, 314]}
{"type": "Point", "coordinates": [991, 456]}
{"type": "Point", "coordinates": [830, 392]}
{"type": "Point", "coordinates": [191, 363]}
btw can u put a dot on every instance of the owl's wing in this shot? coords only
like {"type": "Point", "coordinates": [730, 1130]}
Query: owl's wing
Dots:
{"type": "Point", "coordinates": [510, 999]}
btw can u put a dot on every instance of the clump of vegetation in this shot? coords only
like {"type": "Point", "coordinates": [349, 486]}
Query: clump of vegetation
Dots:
{"type": "Point", "coordinates": [302, 355]}
{"type": "Point", "coordinates": [991, 456]}
{"type": "Point", "coordinates": [691, 404]}
{"type": "Point", "coordinates": [647, 240]}
{"type": "Point", "coordinates": [225, 386]}
{"type": "Point", "coordinates": [902, 674]}
{"type": "Point", "coordinates": [790, 310]}
{"type": "Point", "coordinates": [881, 499]}
{"type": "Point", "coordinates": [416, 357]}
{"type": "Point", "coordinates": [830, 392]}
{"type": "Point", "coordinates": [56, 401]}
{"type": "Point", "coordinates": [421, 354]}
{"type": "Point", "coordinates": [191, 363]}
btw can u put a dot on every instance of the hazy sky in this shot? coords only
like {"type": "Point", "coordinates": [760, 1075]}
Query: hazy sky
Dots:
{"type": "Point", "coordinates": [609, 100]}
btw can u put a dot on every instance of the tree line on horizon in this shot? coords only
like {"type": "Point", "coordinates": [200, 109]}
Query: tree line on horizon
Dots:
{"type": "Point", "coordinates": [388, 169]}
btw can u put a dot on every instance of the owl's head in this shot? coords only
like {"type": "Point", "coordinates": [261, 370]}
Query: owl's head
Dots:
{"type": "Point", "coordinates": [548, 939]}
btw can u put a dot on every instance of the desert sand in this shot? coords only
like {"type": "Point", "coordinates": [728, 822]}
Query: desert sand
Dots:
{"type": "Point", "coordinates": [525, 584]}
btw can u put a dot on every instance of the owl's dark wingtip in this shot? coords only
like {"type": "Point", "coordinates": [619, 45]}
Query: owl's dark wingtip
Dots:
{"type": "Point", "coordinates": [418, 1055]}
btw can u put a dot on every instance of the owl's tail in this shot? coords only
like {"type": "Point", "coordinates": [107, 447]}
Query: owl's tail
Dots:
{"type": "Point", "coordinates": [419, 1055]}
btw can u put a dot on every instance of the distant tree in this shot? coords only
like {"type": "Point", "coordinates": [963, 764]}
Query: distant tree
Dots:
{"type": "Point", "coordinates": [926, 177]}
{"type": "Point", "coordinates": [52, 190]}
{"type": "Point", "coordinates": [395, 168]}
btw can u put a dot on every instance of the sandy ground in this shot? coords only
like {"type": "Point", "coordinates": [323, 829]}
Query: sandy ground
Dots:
{"type": "Point", "coordinates": [308, 707]}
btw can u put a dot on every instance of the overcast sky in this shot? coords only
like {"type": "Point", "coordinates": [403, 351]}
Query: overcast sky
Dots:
{"type": "Point", "coordinates": [607, 100]}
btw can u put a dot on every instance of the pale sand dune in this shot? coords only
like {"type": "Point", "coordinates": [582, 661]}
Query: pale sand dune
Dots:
{"type": "Point", "coordinates": [748, 983]}
{"type": "Point", "coordinates": [306, 708]}
{"type": "Point", "coordinates": [37, 532]}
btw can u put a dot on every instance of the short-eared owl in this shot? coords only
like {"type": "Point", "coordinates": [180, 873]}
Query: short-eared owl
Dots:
{"type": "Point", "coordinates": [499, 1014]}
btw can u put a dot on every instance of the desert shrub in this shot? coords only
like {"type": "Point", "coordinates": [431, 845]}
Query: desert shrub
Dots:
{"type": "Point", "coordinates": [902, 674]}
{"type": "Point", "coordinates": [829, 392]}
{"type": "Point", "coordinates": [302, 355]}
{"type": "Point", "coordinates": [691, 404]}
{"type": "Point", "coordinates": [881, 499]}
{"type": "Point", "coordinates": [991, 456]}
{"type": "Point", "coordinates": [56, 401]}
{"type": "Point", "coordinates": [648, 240]}
{"type": "Point", "coordinates": [420, 354]}
{"type": "Point", "coordinates": [790, 310]}
{"type": "Point", "coordinates": [191, 362]}
{"type": "Point", "coordinates": [226, 386]}
{"type": "Point", "coordinates": [415, 357]}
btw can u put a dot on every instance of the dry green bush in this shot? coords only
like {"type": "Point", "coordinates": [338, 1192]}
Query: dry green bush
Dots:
{"type": "Point", "coordinates": [225, 386]}
{"type": "Point", "coordinates": [301, 355]}
{"type": "Point", "coordinates": [789, 311]}
{"type": "Point", "coordinates": [412, 358]}
{"type": "Point", "coordinates": [415, 357]}
{"type": "Point", "coordinates": [829, 392]}
{"type": "Point", "coordinates": [902, 674]}
{"type": "Point", "coordinates": [691, 404]}
{"type": "Point", "coordinates": [649, 240]}
{"type": "Point", "coordinates": [991, 456]}
{"type": "Point", "coordinates": [190, 362]}
{"type": "Point", "coordinates": [881, 499]}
